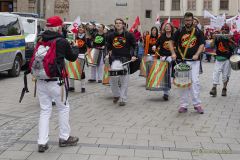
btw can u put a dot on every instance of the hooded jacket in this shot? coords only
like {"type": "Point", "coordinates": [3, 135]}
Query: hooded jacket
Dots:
{"type": "Point", "coordinates": [63, 48]}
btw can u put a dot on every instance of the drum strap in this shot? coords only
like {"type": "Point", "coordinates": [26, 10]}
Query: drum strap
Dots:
{"type": "Point", "coordinates": [183, 55]}
{"type": "Point", "coordinates": [147, 44]}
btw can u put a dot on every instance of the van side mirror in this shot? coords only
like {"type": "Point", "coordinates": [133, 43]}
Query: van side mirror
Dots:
{"type": "Point", "coordinates": [30, 20]}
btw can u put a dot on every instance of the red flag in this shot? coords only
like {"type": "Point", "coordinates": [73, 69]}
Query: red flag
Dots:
{"type": "Point", "coordinates": [135, 24]}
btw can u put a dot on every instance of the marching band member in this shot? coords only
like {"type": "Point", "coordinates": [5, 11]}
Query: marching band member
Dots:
{"type": "Point", "coordinates": [189, 42]}
{"type": "Point", "coordinates": [224, 50]}
{"type": "Point", "coordinates": [82, 43]}
{"type": "Point", "coordinates": [120, 43]}
{"type": "Point", "coordinates": [99, 42]}
{"type": "Point", "coordinates": [151, 41]}
{"type": "Point", "coordinates": [164, 52]}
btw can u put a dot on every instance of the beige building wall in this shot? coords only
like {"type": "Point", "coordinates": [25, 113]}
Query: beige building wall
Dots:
{"type": "Point", "coordinates": [21, 6]}
{"type": "Point", "coordinates": [105, 11]}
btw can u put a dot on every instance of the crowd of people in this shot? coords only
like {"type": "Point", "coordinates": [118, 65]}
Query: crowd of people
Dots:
{"type": "Point", "coordinates": [166, 44]}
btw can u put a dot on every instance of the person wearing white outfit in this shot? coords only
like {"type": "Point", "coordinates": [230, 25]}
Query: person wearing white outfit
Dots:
{"type": "Point", "coordinates": [120, 44]}
{"type": "Point", "coordinates": [51, 88]}
{"type": "Point", "coordinates": [99, 42]}
{"type": "Point", "coordinates": [189, 42]}
{"type": "Point", "coordinates": [224, 49]}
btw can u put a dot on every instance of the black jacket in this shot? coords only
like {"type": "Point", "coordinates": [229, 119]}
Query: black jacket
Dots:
{"type": "Point", "coordinates": [63, 51]}
{"type": "Point", "coordinates": [63, 48]}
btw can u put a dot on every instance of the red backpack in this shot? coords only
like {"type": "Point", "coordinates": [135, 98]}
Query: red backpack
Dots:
{"type": "Point", "coordinates": [43, 63]}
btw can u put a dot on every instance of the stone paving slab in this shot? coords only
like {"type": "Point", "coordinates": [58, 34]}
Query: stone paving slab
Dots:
{"type": "Point", "coordinates": [146, 129]}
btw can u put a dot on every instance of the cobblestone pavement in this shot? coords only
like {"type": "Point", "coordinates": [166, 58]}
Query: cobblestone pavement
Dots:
{"type": "Point", "coordinates": [147, 128]}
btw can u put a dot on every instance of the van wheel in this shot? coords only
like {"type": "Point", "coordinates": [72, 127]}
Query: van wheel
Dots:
{"type": "Point", "coordinates": [15, 71]}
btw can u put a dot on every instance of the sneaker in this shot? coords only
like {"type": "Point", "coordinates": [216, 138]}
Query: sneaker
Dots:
{"type": "Point", "coordinates": [199, 109]}
{"type": "Point", "coordinates": [224, 92]}
{"type": "Point", "coordinates": [83, 90]}
{"type": "Point", "coordinates": [165, 97]}
{"type": "Point", "coordinates": [42, 148]}
{"type": "Point", "coordinates": [99, 81]}
{"type": "Point", "coordinates": [213, 92]}
{"type": "Point", "coordinates": [92, 80]}
{"type": "Point", "coordinates": [115, 99]}
{"type": "Point", "coordinates": [122, 103]}
{"type": "Point", "coordinates": [182, 110]}
{"type": "Point", "coordinates": [71, 141]}
{"type": "Point", "coordinates": [71, 89]}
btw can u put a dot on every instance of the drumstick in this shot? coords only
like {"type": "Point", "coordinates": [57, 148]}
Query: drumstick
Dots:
{"type": "Point", "coordinates": [127, 62]}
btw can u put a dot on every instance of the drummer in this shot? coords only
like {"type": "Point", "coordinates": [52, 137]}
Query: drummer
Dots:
{"type": "Point", "coordinates": [151, 42]}
{"type": "Point", "coordinates": [189, 52]}
{"type": "Point", "coordinates": [120, 44]}
{"type": "Point", "coordinates": [224, 49]}
{"type": "Point", "coordinates": [83, 43]}
{"type": "Point", "coordinates": [164, 53]}
{"type": "Point", "coordinates": [99, 42]}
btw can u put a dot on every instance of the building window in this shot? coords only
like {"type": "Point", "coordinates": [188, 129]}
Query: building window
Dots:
{"type": "Point", "coordinates": [148, 14]}
{"type": "Point", "coordinates": [162, 3]}
{"type": "Point", "coordinates": [175, 5]}
{"type": "Point", "coordinates": [207, 4]}
{"type": "Point", "coordinates": [6, 6]}
{"type": "Point", "coordinates": [191, 4]}
{"type": "Point", "coordinates": [224, 4]}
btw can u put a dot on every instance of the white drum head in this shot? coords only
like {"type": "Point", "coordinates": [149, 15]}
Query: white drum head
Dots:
{"type": "Point", "coordinates": [235, 58]}
{"type": "Point", "coordinates": [117, 65]}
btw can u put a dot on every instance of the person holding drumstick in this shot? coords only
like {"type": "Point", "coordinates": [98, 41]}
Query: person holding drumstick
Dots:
{"type": "Point", "coordinates": [164, 52]}
{"type": "Point", "coordinates": [224, 49]}
{"type": "Point", "coordinates": [120, 44]}
{"type": "Point", "coordinates": [189, 42]}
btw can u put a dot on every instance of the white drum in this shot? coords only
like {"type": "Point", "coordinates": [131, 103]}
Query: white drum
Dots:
{"type": "Point", "coordinates": [235, 62]}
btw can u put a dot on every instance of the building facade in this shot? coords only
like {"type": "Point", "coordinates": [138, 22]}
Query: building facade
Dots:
{"type": "Point", "coordinates": [105, 11]}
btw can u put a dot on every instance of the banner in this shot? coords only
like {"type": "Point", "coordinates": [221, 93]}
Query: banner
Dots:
{"type": "Point", "coordinates": [135, 24]}
{"type": "Point", "coordinates": [74, 27]}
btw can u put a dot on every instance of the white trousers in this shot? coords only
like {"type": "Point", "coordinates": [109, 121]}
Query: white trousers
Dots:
{"type": "Point", "coordinates": [119, 86]}
{"type": "Point", "coordinates": [223, 67]}
{"type": "Point", "coordinates": [46, 92]}
{"type": "Point", "coordinates": [97, 71]}
{"type": "Point", "coordinates": [194, 90]}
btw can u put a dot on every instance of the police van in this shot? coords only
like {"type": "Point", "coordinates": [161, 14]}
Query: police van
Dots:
{"type": "Point", "coordinates": [12, 44]}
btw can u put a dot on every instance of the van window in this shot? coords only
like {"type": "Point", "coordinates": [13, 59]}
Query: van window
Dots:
{"type": "Point", "coordinates": [29, 26]}
{"type": "Point", "coordinates": [9, 26]}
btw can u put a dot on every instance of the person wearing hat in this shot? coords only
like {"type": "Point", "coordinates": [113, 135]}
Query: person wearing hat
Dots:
{"type": "Point", "coordinates": [48, 89]}
{"type": "Point", "coordinates": [224, 49]}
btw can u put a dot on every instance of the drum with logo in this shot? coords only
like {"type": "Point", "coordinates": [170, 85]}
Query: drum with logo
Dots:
{"type": "Point", "coordinates": [158, 75]}
{"type": "Point", "coordinates": [117, 69]}
{"type": "Point", "coordinates": [75, 69]}
{"type": "Point", "coordinates": [235, 62]}
{"type": "Point", "coordinates": [145, 59]}
{"type": "Point", "coordinates": [93, 57]}
{"type": "Point", "coordinates": [182, 74]}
